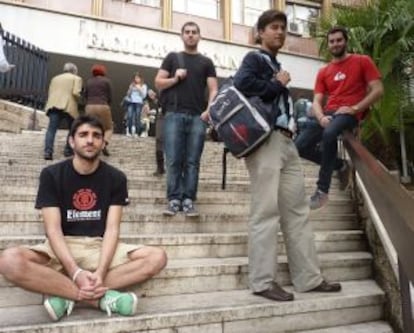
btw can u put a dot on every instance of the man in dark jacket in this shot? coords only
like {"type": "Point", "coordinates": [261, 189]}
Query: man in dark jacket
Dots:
{"type": "Point", "coordinates": [277, 183]}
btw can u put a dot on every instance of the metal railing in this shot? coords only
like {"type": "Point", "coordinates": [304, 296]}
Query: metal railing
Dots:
{"type": "Point", "coordinates": [396, 210]}
{"type": "Point", "coordinates": [26, 83]}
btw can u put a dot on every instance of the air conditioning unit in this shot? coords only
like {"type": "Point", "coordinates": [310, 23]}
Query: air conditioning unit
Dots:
{"type": "Point", "coordinates": [294, 28]}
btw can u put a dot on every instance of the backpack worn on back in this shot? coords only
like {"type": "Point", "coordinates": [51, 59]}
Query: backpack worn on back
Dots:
{"type": "Point", "coordinates": [243, 123]}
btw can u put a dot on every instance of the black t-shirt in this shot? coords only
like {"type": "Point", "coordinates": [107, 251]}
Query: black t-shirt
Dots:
{"type": "Point", "coordinates": [83, 200]}
{"type": "Point", "coordinates": [189, 95]}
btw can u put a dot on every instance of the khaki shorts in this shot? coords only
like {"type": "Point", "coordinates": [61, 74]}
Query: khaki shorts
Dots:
{"type": "Point", "coordinates": [86, 252]}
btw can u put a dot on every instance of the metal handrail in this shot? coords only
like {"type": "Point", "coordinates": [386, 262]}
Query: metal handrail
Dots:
{"type": "Point", "coordinates": [27, 83]}
{"type": "Point", "coordinates": [396, 209]}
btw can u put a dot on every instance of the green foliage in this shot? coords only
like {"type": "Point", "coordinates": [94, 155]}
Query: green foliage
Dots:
{"type": "Point", "coordinates": [384, 30]}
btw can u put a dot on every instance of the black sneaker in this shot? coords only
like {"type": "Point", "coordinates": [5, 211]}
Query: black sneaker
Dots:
{"type": "Point", "coordinates": [68, 153]}
{"type": "Point", "coordinates": [105, 152]}
{"type": "Point", "coordinates": [48, 156]}
{"type": "Point", "coordinates": [158, 173]}
{"type": "Point", "coordinates": [173, 208]}
{"type": "Point", "coordinates": [189, 208]}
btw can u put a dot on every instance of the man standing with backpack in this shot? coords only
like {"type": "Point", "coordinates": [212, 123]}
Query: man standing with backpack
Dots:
{"type": "Point", "coordinates": [182, 79]}
{"type": "Point", "coordinates": [277, 183]}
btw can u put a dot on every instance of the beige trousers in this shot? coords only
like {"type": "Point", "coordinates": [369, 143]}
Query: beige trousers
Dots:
{"type": "Point", "coordinates": [279, 199]}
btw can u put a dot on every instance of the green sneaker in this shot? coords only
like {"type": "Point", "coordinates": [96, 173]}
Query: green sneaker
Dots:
{"type": "Point", "coordinates": [56, 307]}
{"type": "Point", "coordinates": [115, 302]}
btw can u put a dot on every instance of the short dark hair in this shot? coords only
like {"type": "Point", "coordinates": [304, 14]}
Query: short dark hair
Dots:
{"type": "Point", "coordinates": [270, 16]}
{"type": "Point", "coordinates": [85, 119]}
{"type": "Point", "coordinates": [264, 19]}
{"type": "Point", "coordinates": [336, 29]}
{"type": "Point", "coordinates": [190, 23]}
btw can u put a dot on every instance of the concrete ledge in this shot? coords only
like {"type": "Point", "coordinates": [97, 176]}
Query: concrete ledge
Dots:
{"type": "Point", "coordinates": [21, 116]}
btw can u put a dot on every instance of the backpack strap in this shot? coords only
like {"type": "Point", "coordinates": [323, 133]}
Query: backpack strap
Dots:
{"type": "Point", "coordinates": [180, 59]}
{"type": "Point", "coordinates": [224, 167]}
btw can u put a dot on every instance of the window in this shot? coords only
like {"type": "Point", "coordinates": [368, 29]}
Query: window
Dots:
{"type": "Point", "coordinates": [152, 3]}
{"type": "Point", "coordinates": [247, 12]}
{"type": "Point", "coordinates": [204, 8]}
{"type": "Point", "coordinates": [301, 19]}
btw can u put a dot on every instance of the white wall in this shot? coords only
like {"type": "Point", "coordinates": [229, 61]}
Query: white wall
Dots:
{"type": "Point", "coordinates": [89, 38]}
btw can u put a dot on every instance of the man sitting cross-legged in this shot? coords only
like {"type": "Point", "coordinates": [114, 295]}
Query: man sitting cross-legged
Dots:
{"type": "Point", "coordinates": [82, 260]}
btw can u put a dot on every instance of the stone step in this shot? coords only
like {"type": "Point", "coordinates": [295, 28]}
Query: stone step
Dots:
{"type": "Point", "coordinates": [8, 125]}
{"type": "Point", "coordinates": [195, 275]}
{"type": "Point", "coordinates": [157, 206]}
{"type": "Point", "coordinates": [370, 327]}
{"type": "Point", "coordinates": [11, 167]}
{"type": "Point", "coordinates": [22, 193]}
{"type": "Point", "coordinates": [216, 245]}
{"type": "Point", "coordinates": [119, 143]}
{"type": "Point", "coordinates": [30, 224]}
{"type": "Point", "coordinates": [211, 186]}
{"type": "Point", "coordinates": [143, 164]}
{"type": "Point", "coordinates": [225, 311]}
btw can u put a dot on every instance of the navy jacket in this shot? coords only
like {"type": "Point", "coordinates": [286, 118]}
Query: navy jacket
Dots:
{"type": "Point", "coordinates": [255, 77]}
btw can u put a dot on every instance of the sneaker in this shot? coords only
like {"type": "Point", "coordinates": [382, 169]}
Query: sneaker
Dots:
{"type": "Point", "coordinates": [56, 307]}
{"type": "Point", "coordinates": [114, 301]}
{"type": "Point", "coordinates": [318, 200]}
{"type": "Point", "coordinates": [68, 153]}
{"type": "Point", "coordinates": [105, 152]}
{"type": "Point", "coordinates": [158, 173]}
{"type": "Point", "coordinates": [48, 156]}
{"type": "Point", "coordinates": [173, 208]}
{"type": "Point", "coordinates": [344, 175]}
{"type": "Point", "coordinates": [189, 209]}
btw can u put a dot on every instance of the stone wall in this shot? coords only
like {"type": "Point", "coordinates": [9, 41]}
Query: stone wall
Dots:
{"type": "Point", "coordinates": [15, 117]}
{"type": "Point", "coordinates": [383, 272]}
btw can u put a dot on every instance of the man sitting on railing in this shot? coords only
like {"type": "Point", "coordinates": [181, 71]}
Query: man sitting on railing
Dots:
{"type": "Point", "coordinates": [4, 64]}
{"type": "Point", "coordinates": [351, 83]}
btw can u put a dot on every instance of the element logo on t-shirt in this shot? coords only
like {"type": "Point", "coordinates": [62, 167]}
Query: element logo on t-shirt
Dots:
{"type": "Point", "coordinates": [339, 76]}
{"type": "Point", "coordinates": [83, 200]}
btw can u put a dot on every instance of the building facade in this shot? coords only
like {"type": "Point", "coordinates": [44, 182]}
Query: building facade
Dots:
{"type": "Point", "coordinates": [135, 35]}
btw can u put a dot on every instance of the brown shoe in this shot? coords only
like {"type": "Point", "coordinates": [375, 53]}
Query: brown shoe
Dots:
{"type": "Point", "coordinates": [276, 293]}
{"type": "Point", "coordinates": [327, 287]}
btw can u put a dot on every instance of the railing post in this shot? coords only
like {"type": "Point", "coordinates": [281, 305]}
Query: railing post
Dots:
{"type": "Point", "coordinates": [406, 307]}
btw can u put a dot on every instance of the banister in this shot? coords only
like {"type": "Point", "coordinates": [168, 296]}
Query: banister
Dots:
{"type": "Point", "coordinates": [396, 209]}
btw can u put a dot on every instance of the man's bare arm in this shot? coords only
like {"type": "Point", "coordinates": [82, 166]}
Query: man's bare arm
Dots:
{"type": "Point", "coordinates": [212, 86]}
{"type": "Point", "coordinates": [110, 239]}
{"type": "Point", "coordinates": [375, 91]}
{"type": "Point", "coordinates": [162, 81]}
{"type": "Point", "coordinates": [52, 222]}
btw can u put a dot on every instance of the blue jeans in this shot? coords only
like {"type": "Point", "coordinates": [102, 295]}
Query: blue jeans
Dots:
{"type": "Point", "coordinates": [134, 117]}
{"type": "Point", "coordinates": [184, 136]}
{"type": "Point", "coordinates": [55, 117]}
{"type": "Point", "coordinates": [319, 145]}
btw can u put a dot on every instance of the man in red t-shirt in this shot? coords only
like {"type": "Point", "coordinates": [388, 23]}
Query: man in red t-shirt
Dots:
{"type": "Point", "coordinates": [351, 83]}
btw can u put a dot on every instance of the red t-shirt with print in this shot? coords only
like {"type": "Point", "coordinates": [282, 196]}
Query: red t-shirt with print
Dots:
{"type": "Point", "coordinates": [345, 82]}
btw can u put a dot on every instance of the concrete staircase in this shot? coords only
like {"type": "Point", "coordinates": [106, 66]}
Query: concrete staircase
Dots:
{"type": "Point", "coordinates": [204, 287]}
